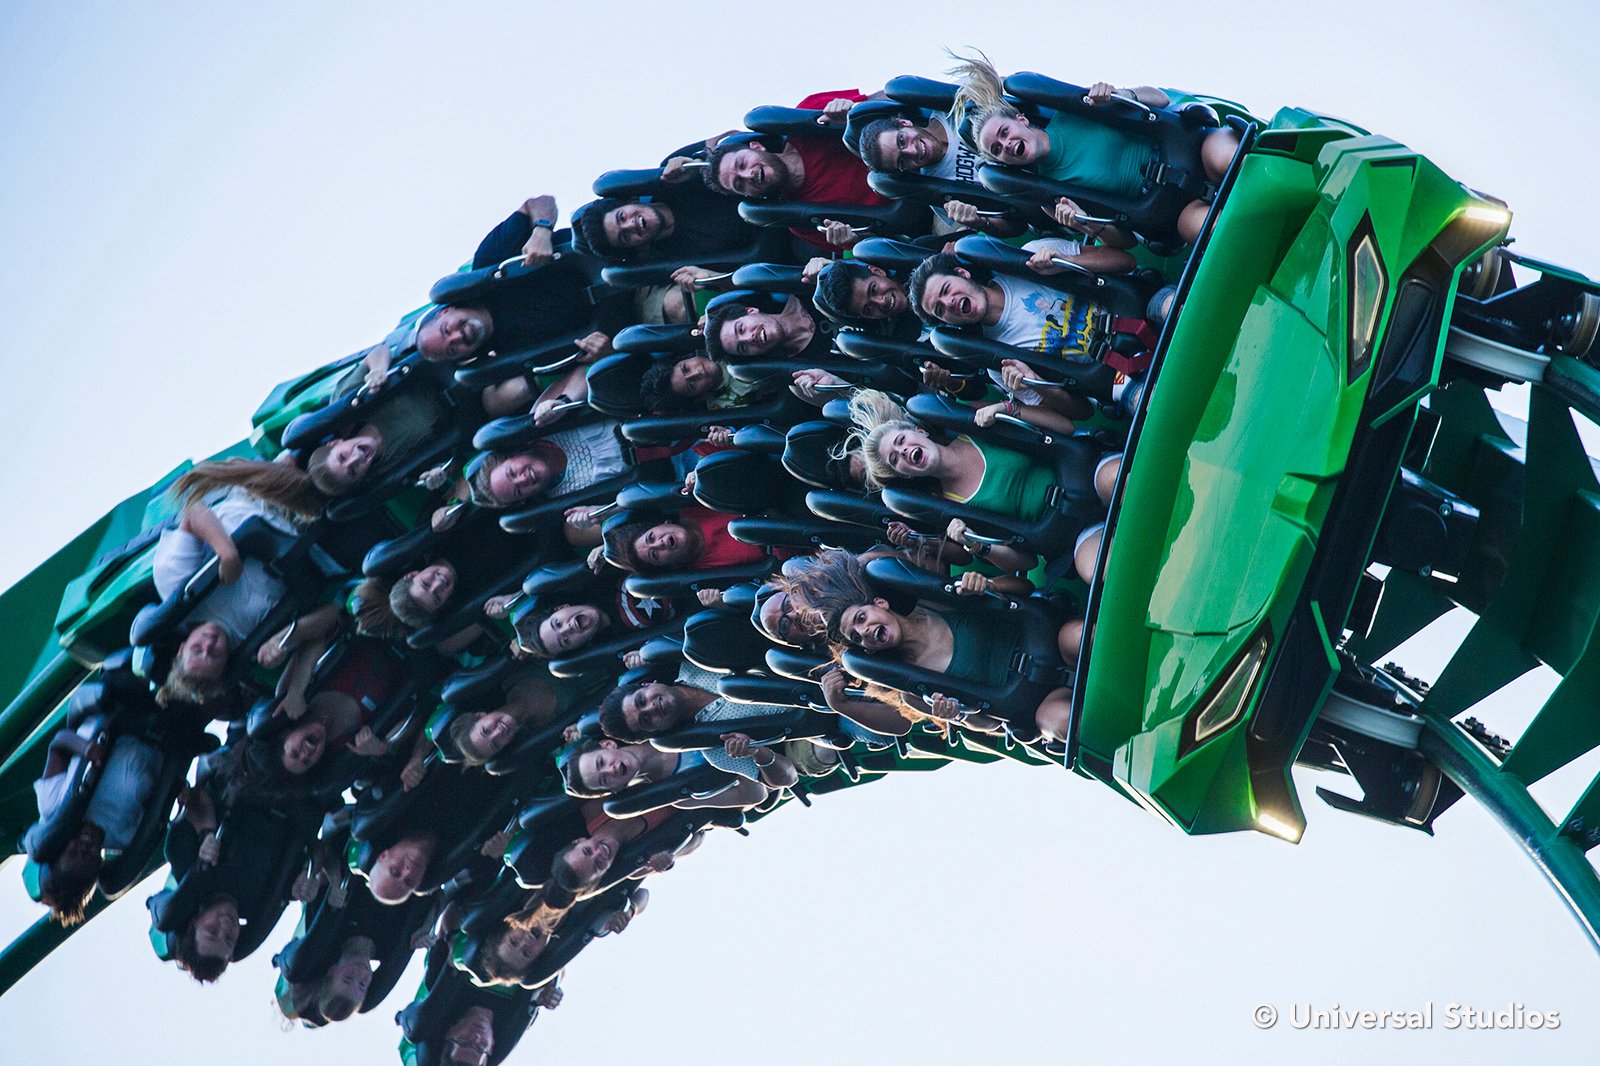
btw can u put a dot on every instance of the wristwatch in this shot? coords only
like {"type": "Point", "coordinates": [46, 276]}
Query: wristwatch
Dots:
{"type": "Point", "coordinates": [544, 223]}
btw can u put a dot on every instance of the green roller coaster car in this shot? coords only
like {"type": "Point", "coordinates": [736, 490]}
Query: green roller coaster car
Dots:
{"type": "Point", "coordinates": [1310, 325]}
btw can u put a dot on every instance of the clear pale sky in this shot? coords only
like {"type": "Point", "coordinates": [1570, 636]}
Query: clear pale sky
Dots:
{"type": "Point", "coordinates": [198, 201]}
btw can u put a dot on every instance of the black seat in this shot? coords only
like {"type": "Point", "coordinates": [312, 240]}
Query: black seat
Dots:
{"type": "Point", "coordinates": [867, 512]}
{"type": "Point", "coordinates": [659, 271]}
{"type": "Point", "coordinates": [464, 288]}
{"type": "Point", "coordinates": [808, 454]}
{"type": "Point", "coordinates": [897, 257]}
{"type": "Point", "coordinates": [767, 724]}
{"type": "Point", "coordinates": [870, 348]}
{"type": "Point", "coordinates": [895, 218]}
{"type": "Point", "coordinates": [548, 356]}
{"type": "Point", "coordinates": [762, 439]}
{"type": "Point", "coordinates": [812, 533]}
{"type": "Point", "coordinates": [539, 516]}
{"type": "Point", "coordinates": [778, 408]}
{"type": "Point", "coordinates": [655, 339]}
{"type": "Point", "coordinates": [604, 656]}
{"type": "Point", "coordinates": [702, 780]}
{"type": "Point", "coordinates": [518, 431]}
{"type": "Point", "coordinates": [1083, 376]}
{"type": "Point", "coordinates": [745, 483]}
{"type": "Point", "coordinates": [788, 121]}
{"type": "Point", "coordinates": [684, 584]}
{"type": "Point", "coordinates": [934, 192]}
{"type": "Point", "coordinates": [724, 641]}
{"type": "Point", "coordinates": [771, 277]}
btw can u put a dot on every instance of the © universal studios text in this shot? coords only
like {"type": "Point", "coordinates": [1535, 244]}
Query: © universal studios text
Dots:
{"type": "Point", "coordinates": [1448, 1016]}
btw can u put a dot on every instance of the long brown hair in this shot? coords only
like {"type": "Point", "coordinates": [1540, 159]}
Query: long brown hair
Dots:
{"type": "Point", "coordinates": [545, 911]}
{"type": "Point", "coordinates": [370, 605]}
{"type": "Point", "coordinates": [283, 485]}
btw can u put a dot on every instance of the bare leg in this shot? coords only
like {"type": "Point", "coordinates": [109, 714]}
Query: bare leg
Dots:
{"type": "Point", "coordinates": [1217, 152]}
{"type": "Point", "coordinates": [1069, 640]}
{"type": "Point", "coordinates": [1054, 716]}
{"type": "Point", "coordinates": [1105, 477]}
{"type": "Point", "coordinates": [1192, 220]}
{"type": "Point", "coordinates": [1086, 555]}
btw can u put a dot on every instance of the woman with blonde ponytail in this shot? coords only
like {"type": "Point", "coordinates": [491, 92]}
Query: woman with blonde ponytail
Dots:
{"type": "Point", "coordinates": [975, 472]}
{"type": "Point", "coordinates": [1079, 151]}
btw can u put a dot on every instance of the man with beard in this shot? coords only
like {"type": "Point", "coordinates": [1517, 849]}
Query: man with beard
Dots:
{"type": "Point", "coordinates": [809, 167]}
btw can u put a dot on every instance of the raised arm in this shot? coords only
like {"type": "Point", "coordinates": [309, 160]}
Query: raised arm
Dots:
{"type": "Point", "coordinates": [200, 521]}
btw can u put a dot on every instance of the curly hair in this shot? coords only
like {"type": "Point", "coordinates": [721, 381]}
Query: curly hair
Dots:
{"type": "Point", "coordinates": [835, 286]}
{"type": "Point", "coordinates": [589, 229]}
{"type": "Point", "coordinates": [612, 721]}
{"type": "Point", "coordinates": [655, 387]}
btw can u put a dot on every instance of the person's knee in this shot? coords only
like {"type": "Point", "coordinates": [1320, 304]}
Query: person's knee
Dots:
{"type": "Point", "coordinates": [1069, 640]}
{"type": "Point", "coordinates": [1217, 153]}
{"type": "Point", "coordinates": [1054, 716]}
{"type": "Point", "coordinates": [1192, 221]}
{"type": "Point", "coordinates": [1159, 308]}
{"type": "Point", "coordinates": [1105, 477]}
{"type": "Point", "coordinates": [1087, 553]}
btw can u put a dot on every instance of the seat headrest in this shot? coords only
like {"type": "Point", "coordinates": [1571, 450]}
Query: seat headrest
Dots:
{"type": "Point", "coordinates": [670, 337]}
{"type": "Point", "coordinates": [723, 642]}
{"type": "Point", "coordinates": [742, 483]}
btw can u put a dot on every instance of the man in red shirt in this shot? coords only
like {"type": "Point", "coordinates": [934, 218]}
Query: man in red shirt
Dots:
{"type": "Point", "coordinates": [813, 168]}
{"type": "Point", "coordinates": [698, 539]}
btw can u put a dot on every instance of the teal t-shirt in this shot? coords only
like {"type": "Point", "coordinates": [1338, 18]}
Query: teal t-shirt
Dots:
{"type": "Point", "coordinates": [1094, 156]}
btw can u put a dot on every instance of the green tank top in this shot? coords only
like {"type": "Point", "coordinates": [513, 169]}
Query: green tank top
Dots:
{"type": "Point", "coordinates": [981, 648]}
{"type": "Point", "coordinates": [1094, 156]}
{"type": "Point", "coordinates": [1013, 484]}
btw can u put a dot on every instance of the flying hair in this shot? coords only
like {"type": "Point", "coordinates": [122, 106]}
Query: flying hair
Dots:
{"type": "Point", "coordinates": [980, 97]}
{"type": "Point", "coordinates": [874, 416]}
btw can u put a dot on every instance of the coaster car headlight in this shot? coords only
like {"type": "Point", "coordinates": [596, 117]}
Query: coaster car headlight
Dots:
{"type": "Point", "coordinates": [1368, 285]}
{"type": "Point", "coordinates": [1224, 705]}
